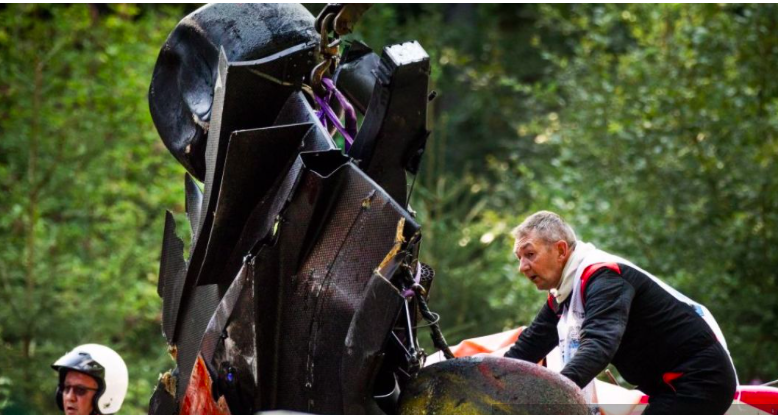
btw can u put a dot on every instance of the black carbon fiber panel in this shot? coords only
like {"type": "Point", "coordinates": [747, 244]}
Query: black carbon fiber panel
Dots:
{"type": "Point", "coordinates": [172, 271]}
{"type": "Point", "coordinates": [364, 344]}
{"type": "Point", "coordinates": [254, 162]}
{"type": "Point", "coordinates": [359, 231]}
{"type": "Point", "coordinates": [297, 110]}
{"type": "Point", "coordinates": [162, 402]}
{"type": "Point", "coordinates": [273, 263]}
{"type": "Point", "coordinates": [194, 202]}
{"type": "Point", "coordinates": [309, 288]}
{"type": "Point", "coordinates": [193, 322]}
{"type": "Point", "coordinates": [259, 225]}
{"type": "Point", "coordinates": [394, 133]}
{"type": "Point", "coordinates": [247, 95]}
{"type": "Point", "coordinates": [218, 322]}
{"type": "Point", "coordinates": [213, 163]}
{"type": "Point", "coordinates": [234, 356]}
{"type": "Point", "coordinates": [355, 74]}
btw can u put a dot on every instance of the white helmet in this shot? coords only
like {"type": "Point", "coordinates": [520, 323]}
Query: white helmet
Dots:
{"type": "Point", "coordinates": [101, 363]}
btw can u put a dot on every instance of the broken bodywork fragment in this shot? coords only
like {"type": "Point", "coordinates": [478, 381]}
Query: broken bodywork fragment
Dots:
{"type": "Point", "coordinates": [394, 134]}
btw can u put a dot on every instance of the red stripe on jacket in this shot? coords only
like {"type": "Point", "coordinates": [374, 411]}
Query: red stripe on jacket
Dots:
{"type": "Point", "coordinates": [591, 269]}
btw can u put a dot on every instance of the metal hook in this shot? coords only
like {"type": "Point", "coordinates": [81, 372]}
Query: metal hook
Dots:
{"type": "Point", "coordinates": [330, 53]}
{"type": "Point", "coordinates": [317, 74]}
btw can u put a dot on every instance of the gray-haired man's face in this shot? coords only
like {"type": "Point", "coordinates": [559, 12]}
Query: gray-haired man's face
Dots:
{"type": "Point", "coordinates": [541, 262]}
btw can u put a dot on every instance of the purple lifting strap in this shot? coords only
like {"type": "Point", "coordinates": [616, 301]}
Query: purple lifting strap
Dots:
{"type": "Point", "coordinates": [326, 112]}
{"type": "Point", "coordinates": [416, 278]}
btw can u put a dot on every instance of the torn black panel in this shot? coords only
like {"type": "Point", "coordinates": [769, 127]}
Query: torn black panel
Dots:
{"type": "Point", "coordinates": [260, 224]}
{"type": "Point", "coordinates": [218, 322]}
{"type": "Point", "coordinates": [297, 110]}
{"type": "Point", "coordinates": [364, 345]}
{"type": "Point", "coordinates": [259, 228]}
{"type": "Point", "coordinates": [194, 202]}
{"type": "Point", "coordinates": [276, 262]}
{"type": "Point", "coordinates": [355, 76]}
{"type": "Point", "coordinates": [194, 318]}
{"type": "Point", "coordinates": [335, 231]}
{"type": "Point", "coordinates": [247, 95]}
{"type": "Point", "coordinates": [394, 133]}
{"type": "Point", "coordinates": [321, 165]}
{"type": "Point", "coordinates": [358, 232]}
{"type": "Point", "coordinates": [266, 268]}
{"type": "Point", "coordinates": [168, 238]}
{"type": "Point", "coordinates": [162, 402]}
{"type": "Point", "coordinates": [255, 160]}
{"type": "Point", "coordinates": [229, 345]}
{"type": "Point", "coordinates": [172, 271]}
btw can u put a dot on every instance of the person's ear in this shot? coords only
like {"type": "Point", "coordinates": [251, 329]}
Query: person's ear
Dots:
{"type": "Point", "coordinates": [562, 249]}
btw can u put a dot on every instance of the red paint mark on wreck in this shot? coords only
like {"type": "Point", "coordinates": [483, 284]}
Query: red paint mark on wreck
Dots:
{"type": "Point", "coordinates": [198, 399]}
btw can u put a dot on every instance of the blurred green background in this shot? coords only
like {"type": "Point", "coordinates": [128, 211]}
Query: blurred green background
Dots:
{"type": "Point", "coordinates": [651, 128]}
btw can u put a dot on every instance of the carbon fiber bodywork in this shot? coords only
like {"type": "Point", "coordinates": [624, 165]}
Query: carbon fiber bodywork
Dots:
{"type": "Point", "coordinates": [301, 286]}
{"type": "Point", "coordinates": [393, 137]}
{"type": "Point", "coordinates": [292, 288]}
{"type": "Point", "coordinates": [355, 74]}
{"type": "Point", "coordinates": [316, 283]}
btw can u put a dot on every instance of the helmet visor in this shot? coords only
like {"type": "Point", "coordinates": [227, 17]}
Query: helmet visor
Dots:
{"type": "Point", "coordinates": [82, 362]}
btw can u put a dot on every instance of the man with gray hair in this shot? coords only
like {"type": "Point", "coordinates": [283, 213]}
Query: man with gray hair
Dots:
{"type": "Point", "coordinates": [603, 309]}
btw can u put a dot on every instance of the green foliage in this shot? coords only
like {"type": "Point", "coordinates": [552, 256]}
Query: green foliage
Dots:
{"type": "Point", "coordinates": [668, 131]}
{"type": "Point", "coordinates": [84, 182]}
{"type": "Point", "coordinates": [651, 128]}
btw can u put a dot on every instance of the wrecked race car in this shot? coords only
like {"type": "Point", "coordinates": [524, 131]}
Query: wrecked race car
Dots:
{"type": "Point", "coordinates": [302, 288]}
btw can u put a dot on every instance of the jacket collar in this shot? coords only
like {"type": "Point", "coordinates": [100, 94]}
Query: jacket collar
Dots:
{"type": "Point", "coordinates": [580, 251]}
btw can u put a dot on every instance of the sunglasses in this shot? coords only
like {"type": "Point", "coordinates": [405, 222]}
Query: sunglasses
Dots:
{"type": "Point", "coordinates": [77, 389]}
